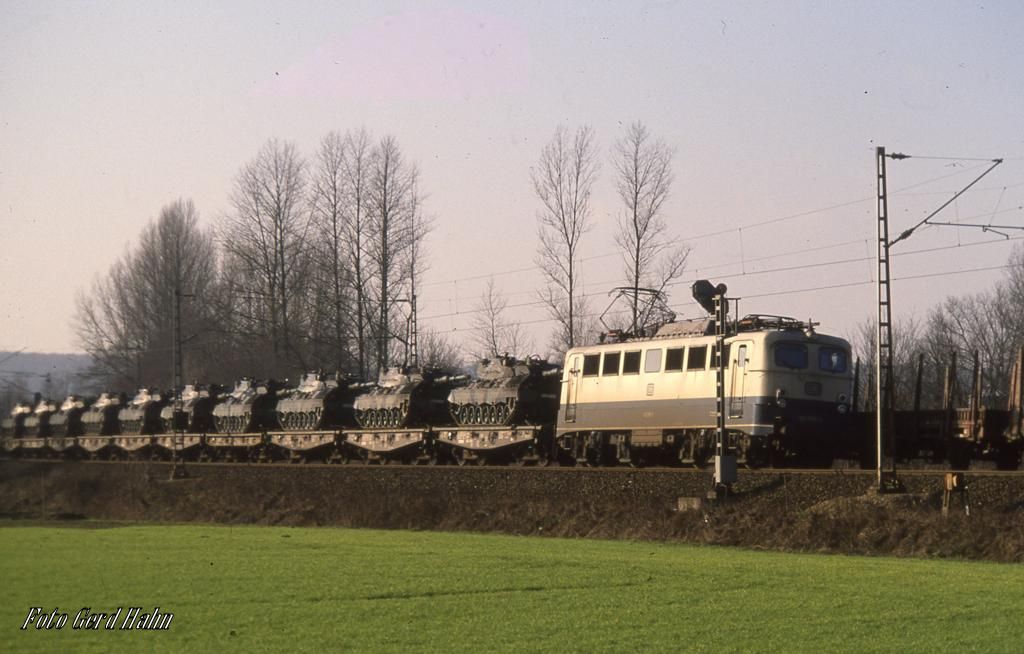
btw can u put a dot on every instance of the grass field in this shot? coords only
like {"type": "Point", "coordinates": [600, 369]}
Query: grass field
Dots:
{"type": "Point", "coordinates": [262, 588]}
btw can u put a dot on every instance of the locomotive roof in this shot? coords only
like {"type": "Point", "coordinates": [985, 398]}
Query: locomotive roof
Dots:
{"type": "Point", "coordinates": [704, 328]}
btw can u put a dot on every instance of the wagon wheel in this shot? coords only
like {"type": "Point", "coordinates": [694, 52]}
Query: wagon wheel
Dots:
{"type": "Point", "coordinates": [459, 455]}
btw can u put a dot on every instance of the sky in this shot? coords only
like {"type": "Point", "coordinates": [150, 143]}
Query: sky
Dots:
{"type": "Point", "coordinates": [109, 111]}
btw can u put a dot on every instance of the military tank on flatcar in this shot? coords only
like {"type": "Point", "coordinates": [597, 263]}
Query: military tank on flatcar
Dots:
{"type": "Point", "coordinates": [197, 403]}
{"type": "Point", "coordinates": [101, 418]}
{"type": "Point", "coordinates": [14, 426]}
{"type": "Point", "coordinates": [319, 402]}
{"type": "Point", "coordinates": [142, 414]}
{"type": "Point", "coordinates": [406, 397]}
{"type": "Point", "coordinates": [507, 391]}
{"type": "Point", "coordinates": [37, 423]}
{"type": "Point", "coordinates": [67, 421]}
{"type": "Point", "coordinates": [248, 409]}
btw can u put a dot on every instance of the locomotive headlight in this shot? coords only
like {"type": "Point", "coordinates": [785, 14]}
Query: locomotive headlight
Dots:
{"type": "Point", "coordinates": [843, 408]}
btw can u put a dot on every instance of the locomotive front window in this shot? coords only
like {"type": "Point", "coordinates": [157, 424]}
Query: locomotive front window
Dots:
{"type": "Point", "coordinates": [611, 363]}
{"type": "Point", "coordinates": [652, 361]}
{"type": "Point", "coordinates": [674, 359]}
{"type": "Point", "coordinates": [791, 355]}
{"type": "Point", "coordinates": [697, 358]}
{"type": "Point", "coordinates": [832, 359]}
{"type": "Point", "coordinates": [591, 362]}
{"type": "Point", "coordinates": [631, 363]}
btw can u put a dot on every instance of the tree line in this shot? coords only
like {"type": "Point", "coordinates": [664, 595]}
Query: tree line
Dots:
{"type": "Point", "coordinates": [318, 260]}
{"type": "Point", "coordinates": [988, 323]}
{"type": "Point", "coordinates": [315, 264]}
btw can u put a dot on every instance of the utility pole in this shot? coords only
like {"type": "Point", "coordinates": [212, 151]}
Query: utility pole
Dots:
{"type": "Point", "coordinates": [178, 423]}
{"type": "Point", "coordinates": [884, 396]}
{"type": "Point", "coordinates": [883, 340]}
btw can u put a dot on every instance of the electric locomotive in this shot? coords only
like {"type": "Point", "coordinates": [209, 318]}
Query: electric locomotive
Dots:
{"type": "Point", "coordinates": [787, 394]}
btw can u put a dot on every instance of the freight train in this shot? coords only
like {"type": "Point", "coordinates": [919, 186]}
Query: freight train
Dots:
{"type": "Point", "coordinates": [629, 400]}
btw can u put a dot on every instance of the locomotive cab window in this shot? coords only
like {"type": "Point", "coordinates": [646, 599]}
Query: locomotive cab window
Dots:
{"type": "Point", "coordinates": [591, 362]}
{"type": "Point", "coordinates": [697, 358]}
{"type": "Point", "coordinates": [652, 361]}
{"type": "Point", "coordinates": [674, 359]}
{"type": "Point", "coordinates": [611, 363]}
{"type": "Point", "coordinates": [631, 363]}
{"type": "Point", "coordinates": [791, 355]}
{"type": "Point", "coordinates": [832, 359]}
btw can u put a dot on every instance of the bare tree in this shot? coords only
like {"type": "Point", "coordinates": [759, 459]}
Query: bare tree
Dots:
{"type": "Point", "coordinates": [393, 207]}
{"type": "Point", "coordinates": [563, 180]}
{"type": "Point", "coordinates": [266, 233]}
{"type": "Point", "coordinates": [986, 323]}
{"type": "Point", "coordinates": [329, 203]}
{"type": "Point", "coordinates": [438, 352]}
{"type": "Point", "coordinates": [643, 168]}
{"type": "Point", "coordinates": [356, 168]}
{"type": "Point", "coordinates": [126, 322]}
{"type": "Point", "coordinates": [493, 334]}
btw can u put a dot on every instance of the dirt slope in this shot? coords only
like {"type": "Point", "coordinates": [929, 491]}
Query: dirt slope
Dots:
{"type": "Point", "coordinates": [798, 512]}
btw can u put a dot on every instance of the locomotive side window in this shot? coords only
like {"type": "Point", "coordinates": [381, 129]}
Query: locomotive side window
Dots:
{"type": "Point", "coordinates": [791, 355]}
{"type": "Point", "coordinates": [674, 359]}
{"type": "Point", "coordinates": [832, 359]}
{"type": "Point", "coordinates": [611, 363]}
{"type": "Point", "coordinates": [697, 358]}
{"type": "Point", "coordinates": [652, 361]}
{"type": "Point", "coordinates": [590, 364]}
{"type": "Point", "coordinates": [631, 363]}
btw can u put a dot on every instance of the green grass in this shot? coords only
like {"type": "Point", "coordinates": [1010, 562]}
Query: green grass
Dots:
{"type": "Point", "coordinates": [260, 588]}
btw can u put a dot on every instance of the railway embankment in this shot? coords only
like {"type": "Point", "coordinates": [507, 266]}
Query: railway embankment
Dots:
{"type": "Point", "coordinates": [829, 512]}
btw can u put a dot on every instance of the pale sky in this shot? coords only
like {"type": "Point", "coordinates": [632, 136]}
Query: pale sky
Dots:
{"type": "Point", "coordinates": [108, 111]}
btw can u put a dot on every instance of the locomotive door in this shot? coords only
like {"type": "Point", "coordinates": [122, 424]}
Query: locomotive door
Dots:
{"type": "Point", "coordinates": [572, 388]}
{"type": "Point", "coordinates": [739, 378]}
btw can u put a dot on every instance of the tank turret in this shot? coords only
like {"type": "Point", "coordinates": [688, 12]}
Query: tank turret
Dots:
{"type": "Point", "coordinates": [14, 426]}
{"type": "Point", "coordinates": [320, 402]}
{"type": "Point", "coordinates": [101, 417]}
{"type": "Point", "coordinates": [197, 402]}
{"type": "Point", "coordinates": [38, 422]}
{"type": "Point", "coordinates": [248, 409]}
{"type": "Point", "coordinates": [507, 391]}
{"type": "Point", "coordinates": [405, 397]}
{"type": "Point", "coordinates": [142, 414]}
{"type": "Point", "coordinates": [68, 420]}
